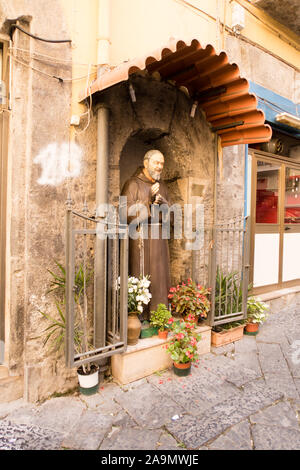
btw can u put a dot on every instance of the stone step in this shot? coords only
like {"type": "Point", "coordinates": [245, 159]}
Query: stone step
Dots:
{"type": "Point", "coordinates": [11, 388]}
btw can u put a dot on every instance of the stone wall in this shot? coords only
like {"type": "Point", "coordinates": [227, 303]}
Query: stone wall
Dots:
{"type": "Point", "coordinates": [39, 118]}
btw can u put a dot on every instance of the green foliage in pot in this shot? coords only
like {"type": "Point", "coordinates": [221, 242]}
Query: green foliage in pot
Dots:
{"type": "Point", "coordinates": [56, 330]}
{"type": "Point", "coordinates": [183, 344]}
{"type": "Point", "coordinates": [256, 310]}
{"type": "Point", "coordinates": [160, 317]}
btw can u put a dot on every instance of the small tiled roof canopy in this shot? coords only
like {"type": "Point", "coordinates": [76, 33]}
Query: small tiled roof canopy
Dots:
{"type": "Point", "coordinates": [210, 80]}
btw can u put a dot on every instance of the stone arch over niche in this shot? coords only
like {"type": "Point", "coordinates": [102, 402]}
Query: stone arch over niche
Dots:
{"type": "Point", "coordinates": [161, 118]}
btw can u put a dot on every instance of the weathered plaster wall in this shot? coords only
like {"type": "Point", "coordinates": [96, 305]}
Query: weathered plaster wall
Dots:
{"type": "Point", "coordinates": [40, 116]}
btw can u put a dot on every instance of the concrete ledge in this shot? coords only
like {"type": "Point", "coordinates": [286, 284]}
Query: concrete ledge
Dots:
{"type": "Point", "coordinates": [11, 388]}
{"type": "Point", "coordinates": [149, 355]}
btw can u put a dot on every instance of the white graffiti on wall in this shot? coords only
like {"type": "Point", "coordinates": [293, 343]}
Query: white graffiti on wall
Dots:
{"type": "Point", "coordinates": [58, 162]}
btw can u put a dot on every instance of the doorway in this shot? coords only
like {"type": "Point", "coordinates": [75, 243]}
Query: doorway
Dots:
{"type": "Point", "coordinates": [275, 231]}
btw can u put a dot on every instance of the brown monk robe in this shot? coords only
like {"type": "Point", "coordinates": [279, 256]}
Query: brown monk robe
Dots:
{"type": "Point", "coordinates": [156, 251]}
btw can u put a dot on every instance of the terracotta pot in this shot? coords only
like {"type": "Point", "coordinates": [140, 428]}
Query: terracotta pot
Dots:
{"type": "Point", "coordinates": [252, 327]}
{"type": "Point", "coordinates": [163, 334]}
{"type": "Point", "coordinates": [182, 369]}
{"type": "Point", "coordinates": [227, 336]}
{"type": "Point", "coordinates": [134, 327]}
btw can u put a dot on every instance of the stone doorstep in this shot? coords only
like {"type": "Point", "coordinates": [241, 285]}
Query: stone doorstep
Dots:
{"type": "Point", "coordinates": [149, 355]}
{"type": "Point", "coordinates": [11, 388]}
{"type": "Point", "coordinates": [268, 296]}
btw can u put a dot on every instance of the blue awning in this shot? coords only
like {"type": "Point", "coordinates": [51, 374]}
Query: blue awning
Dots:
{"type": "Point", "coordinates": [272, 104]}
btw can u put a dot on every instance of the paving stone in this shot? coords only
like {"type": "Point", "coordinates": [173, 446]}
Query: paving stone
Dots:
{"type": "Point", "coordinates": [198, 391]}
{"type": "Point", "coordinates": [25, 437]}
{"type": "Point", "coordinates": [7, 408]}
{"type": "Point", "coordinates": [284, 383]}
{"type": "Point", "coordinates": [227, 349]}
{"type": "Point", "coordinates": [291, 353]}
{"type": "Point", "coordinates": [167, 442]}
{"type": "Point", "coordinates": [272, 360]}
{"type": "Point", "coordinates": [233, 371]}
{"type": "Point", "coordinates": [148, 406]}
{"type": "Point", "coordinates": [89, 431]}
{"type": "Point", "coordinates": [281, 414]}
{"type": "Point", "coordinates": [100, 402]}
{"type": "Point", "coordinates": [236, 438]}
{"type": "Point", "coordinates": [196, 431]}
{"type": "Point", "coordinates": [23, 415]}
{"type": "Point", "coordinates": [60, 414]}
{"type": "Point", "coordinates": [123, 419]}
{"type": "Point", "coordinates": [132, 439]}
{"type": "Point", "coordinates": [275, 438]}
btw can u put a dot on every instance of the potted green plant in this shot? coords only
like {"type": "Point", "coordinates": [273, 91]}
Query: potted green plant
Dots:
{"type": "Point", "coordinates": [183, 346]}
{"type": "Point", "coordinates": [160, 319]}
{"type": "Point", "coordinates": [138, 296]}
{"type": "Point", "coordinates": [88, 374]}
{"type": "Point", "coordinates": [256, 315]}
{"type": "Point", "coordinates": [189, 298]}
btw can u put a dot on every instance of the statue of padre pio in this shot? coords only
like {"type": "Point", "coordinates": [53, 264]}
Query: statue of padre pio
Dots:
{"type": "Point", "coordinates": [148, 250]}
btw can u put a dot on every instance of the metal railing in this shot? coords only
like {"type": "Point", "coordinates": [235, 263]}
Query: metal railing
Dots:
{"type": "Point", "coordinates": [94, 304]}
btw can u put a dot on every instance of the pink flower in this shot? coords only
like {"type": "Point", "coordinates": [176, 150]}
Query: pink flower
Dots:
{"type": "Point", "coordinates": [170, 296]}
{"type": "Point", "coordinates": [193, 341]}
{"type": "Point", "coordinates": [179, 336]}
{"type": "Point", "coordinates": [171, 320]}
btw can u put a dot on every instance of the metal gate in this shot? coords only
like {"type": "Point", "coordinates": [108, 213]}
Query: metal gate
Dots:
{"type": "Point", "coordinates": [229, 271]}
{"type": "Point", "coordinates": [96, 288]}
{"type": "Point", "coordinates": [222, 264]}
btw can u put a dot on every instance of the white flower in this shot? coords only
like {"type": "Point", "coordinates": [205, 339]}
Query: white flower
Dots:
{"type": "Point", "coordinates": [140, 308]}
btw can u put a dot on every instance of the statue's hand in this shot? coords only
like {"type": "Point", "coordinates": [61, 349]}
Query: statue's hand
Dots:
{"type": "Point", "coordinates": [154, 189]}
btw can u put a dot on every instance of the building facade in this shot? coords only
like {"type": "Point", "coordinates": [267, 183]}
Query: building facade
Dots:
{"type": "Point", "coordinates": [53, 94]}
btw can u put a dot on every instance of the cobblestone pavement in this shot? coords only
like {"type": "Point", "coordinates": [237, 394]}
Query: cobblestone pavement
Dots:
{"type": "Point", "coordinates": [242, 396]}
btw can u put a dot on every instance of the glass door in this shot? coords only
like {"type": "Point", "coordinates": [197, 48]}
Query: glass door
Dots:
{"type": "Point", "coordinates": [275, 241]}
{"type": "Point", "coordinates": [267, 224]}
{"type": "Point", "coordinates": [291, 228]}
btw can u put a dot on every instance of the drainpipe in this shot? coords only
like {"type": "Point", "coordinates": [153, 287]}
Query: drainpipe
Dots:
{"type": "Point", "coordinates": [103, 38]}
{"type": "Point", "coordinates": [101, 181]}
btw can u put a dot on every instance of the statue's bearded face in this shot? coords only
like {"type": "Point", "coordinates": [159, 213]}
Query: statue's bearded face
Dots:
{"type": "Point", "coordinates": [155, 165]}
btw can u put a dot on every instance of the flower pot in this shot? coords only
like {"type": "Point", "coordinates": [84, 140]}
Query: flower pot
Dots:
{"type": "Point", "coordinates": [227, 336]}
{"type": "Point", "coordinates": [163, 334]}
{"type": "Point", "coordinates": [88, 383]}
{"type": "Point", "coordinates": [182, 370]}
{"type": "Point", "coordinates": [251, 328]}
{"type": "Point", "coordinates": [134, 327]}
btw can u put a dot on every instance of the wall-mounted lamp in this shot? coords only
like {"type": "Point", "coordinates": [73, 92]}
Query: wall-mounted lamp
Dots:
{"type": "Point", "coordinates": [288, 119]}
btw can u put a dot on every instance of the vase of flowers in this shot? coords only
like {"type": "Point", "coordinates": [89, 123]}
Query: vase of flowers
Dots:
{"type": "Point", "coordinates": [256, 315]}
{"type": "Point", "coordinates": [160, 319]}
{"type": "Point", "coordinates": [189, 298]}
{"type": "Point", "coordinates": [183, 346]}
{"type": "Point", "coordinates": [138, 296]}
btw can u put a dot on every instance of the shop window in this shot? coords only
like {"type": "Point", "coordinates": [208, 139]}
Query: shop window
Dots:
{"type": "Point", "coordinates": [267, 193]}
{"type": "Point", "coordinates": [292, 196]}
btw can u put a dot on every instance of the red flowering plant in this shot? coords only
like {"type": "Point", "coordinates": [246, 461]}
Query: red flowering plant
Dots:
{"type": "Point", "coordinates": [189, 298]}
{"type": "Point", "coordinates": [183, 344]}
